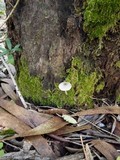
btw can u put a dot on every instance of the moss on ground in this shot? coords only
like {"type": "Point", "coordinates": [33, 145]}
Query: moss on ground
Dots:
{"type": "Point", "coordinates": [100, 16]}
{"type": "Point", "coordinates": [30, 86]}
{"type": "Point", "coordinates": [83, 86]}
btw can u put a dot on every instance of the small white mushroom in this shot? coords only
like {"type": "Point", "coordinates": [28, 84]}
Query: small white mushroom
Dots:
{"type": "Point", "coordinates": [65, 86]}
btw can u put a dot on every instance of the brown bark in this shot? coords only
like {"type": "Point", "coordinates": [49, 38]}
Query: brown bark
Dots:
{"type": "Point", "coordinates": [49, 35]}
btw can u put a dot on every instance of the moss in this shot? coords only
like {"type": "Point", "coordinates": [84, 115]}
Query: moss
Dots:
{"type": "Point", "coordinates": [83, 81]}
{"type": "Point", "coordinates": [118, 98]}
{"type": "Point", "coordinates": [100, 86]}
{"type": "Point", "coordinates": [100, 16]}
{"type": "Point", "coordinates": [30, 86]}
{"type": "Point", "coordinates": [83, 86]}
{"type": "Point", "coordinates": [118, 95]}
{"type": "Point", "coordinates": [117, 64]}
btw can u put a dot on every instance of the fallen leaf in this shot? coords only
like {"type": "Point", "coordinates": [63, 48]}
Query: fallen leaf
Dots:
{"type": "Point", "coordinates": [117, 129]}
{"type": "Point", "coordinates": [99, 110]}
{"type": "Point", "coordinates": [46, 123]}
{"type": "Point", "coordinates": [12, 69]}
{"type": "Point", "coordinates": [30, 117]}
{"type": "Point", "coordinates": [8, 90]}
{"type": "Point", "coordinates": [2, 75]}
{"type": "Point", "coordinates": [1, 92]}
{"type": "Point", "coordinates": [20, 127]}
{"type": "Point", "coordinates": [71, 129]}
{"type": "Point", "coordinates": [8, 81]}
{"type": "Point", "coordinates": [118, 158]}
{"type": "Point", "coordinates": [7, 120]}
{"type": "Point", "coordinates": [49, 126]}
{"type": "Point", "coordinates": [106, 149]}
{"type": "Point", "coordinates": [42, 146]}
{"type": "Point", "coordinates": [1, 145]}
{"type": "Point", "coordinates": [69, 119]}
{"type": "Point", "coordinates": [54, 111]}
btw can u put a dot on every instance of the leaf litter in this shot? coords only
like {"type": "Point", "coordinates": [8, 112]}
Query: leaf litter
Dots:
{"type": "Point", "coordinates": [43, 130]}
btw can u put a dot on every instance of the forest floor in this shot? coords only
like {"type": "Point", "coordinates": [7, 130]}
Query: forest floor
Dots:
{"type": "Point", "coordinates": [44, 132]}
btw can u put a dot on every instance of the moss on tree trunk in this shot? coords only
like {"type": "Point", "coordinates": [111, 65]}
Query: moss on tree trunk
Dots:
{"type": "Point", "coordinates": [71, 40]}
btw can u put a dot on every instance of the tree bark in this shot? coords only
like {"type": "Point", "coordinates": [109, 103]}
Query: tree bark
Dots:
{"type": "Point", "coordinates": [50, 34]}
{"type": "Point", "coordinates": [48, 42]}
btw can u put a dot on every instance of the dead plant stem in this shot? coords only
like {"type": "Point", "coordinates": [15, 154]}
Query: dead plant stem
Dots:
{"type": "Point", "coordinates": [14, 82]}
{"type": "Point", "coordinates": [14, 7]}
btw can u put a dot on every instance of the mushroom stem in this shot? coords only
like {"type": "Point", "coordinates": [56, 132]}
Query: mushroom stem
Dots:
{"type": "Point", "coordinates": [66, 93]}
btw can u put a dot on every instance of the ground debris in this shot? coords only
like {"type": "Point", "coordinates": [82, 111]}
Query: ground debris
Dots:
{"type": "Point", "coordinates": [52, 136]}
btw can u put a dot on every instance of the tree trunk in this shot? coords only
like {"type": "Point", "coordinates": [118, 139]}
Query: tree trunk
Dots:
{"type": "Point", "coordinates": [51, 34]}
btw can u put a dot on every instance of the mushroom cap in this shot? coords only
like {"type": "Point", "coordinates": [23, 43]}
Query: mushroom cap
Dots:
{"type": "Point", "coordinates": [65, 86]}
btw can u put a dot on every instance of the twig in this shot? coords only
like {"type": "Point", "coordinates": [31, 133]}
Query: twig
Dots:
{"type": "Point", "coordinates": [63, 139]}
{"type": "Point", "coordinates": [112, 134]}
{"type": "Point", "coordinates": [83, 147]}
{"type": "Point", "coordinates": [10, 4]}
{"type": "Point", "coordinates": [14, 7]}
{"type": "Point", "coordinates": [9, 144]}
{"type": "Point", "coordinates": [21, 155]}
{"type": "Point", "coordinates": [14, 82]}
{"type": "Point", "coordinates": [78, 156]}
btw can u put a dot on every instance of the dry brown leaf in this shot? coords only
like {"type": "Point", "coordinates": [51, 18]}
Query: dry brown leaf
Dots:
{"type": "Point", "coordinates": [71, 129]}
{"type": "Point", "coordinates": [99, 110]}
{"type": "Point", "coordinates": [20, 127]}
{"type": "Point", "coordinates": [48, 123]}
{"type": "Point", "coordinates": [42, 146]}
{"type": "Point", "coordinates": [106, 149]}
{"type": "Point", "coordinates": [1, 92]}
{"type": "Point", "coordinates": [8, 90]}
{"type": "Point", "coordinates": [54, 111]}
{"type": "Point", "coordinates": [7, 120]}
{"type": "Point", "coordinates": [117, 129]}
{"type": "Point", "coordinates": [49, 126]}
{"type": "Point", "coordinates": [8, 81]}
{"type": "Point", "coordinates": [32, 118]}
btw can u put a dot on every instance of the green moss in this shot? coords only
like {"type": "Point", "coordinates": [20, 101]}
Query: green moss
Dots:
{"type": "Point", "coordinates": [118, 98]}
{"type": "Point", "coordinates": [83, 81]}
{"type": "Point", "coordinates": [100, 86]}
{"type": "Point", "coordinates": [83, 86]}
{"type": "Point", "coordinates": [118, 95]}
{"type": "Point", "coordinates": [117, 64]}
{"type": "Point", "coordinates": [30, 86]}
{"type": "Point", "coordinates": [100, 16]}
